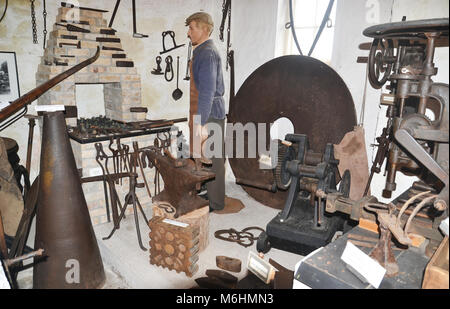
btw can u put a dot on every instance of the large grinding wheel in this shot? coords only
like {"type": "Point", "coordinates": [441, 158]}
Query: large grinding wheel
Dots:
{"type": "Point", "coordinates": [307, 92]}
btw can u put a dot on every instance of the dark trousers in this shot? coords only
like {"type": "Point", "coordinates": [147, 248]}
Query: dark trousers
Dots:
{"type": "Point", "coordinates": [216, 187]}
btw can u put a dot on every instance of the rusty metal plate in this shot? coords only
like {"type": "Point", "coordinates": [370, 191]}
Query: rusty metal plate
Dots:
{"type": "Point", "coordinates": [228, 263]}
{"type": "Point", "coordinates": [307, 92]}
{"type": "Point", "coordinates": [411, 29]}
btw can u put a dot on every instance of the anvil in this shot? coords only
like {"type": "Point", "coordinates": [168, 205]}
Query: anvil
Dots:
{"type": "Point", "coordinates": [182, 180]}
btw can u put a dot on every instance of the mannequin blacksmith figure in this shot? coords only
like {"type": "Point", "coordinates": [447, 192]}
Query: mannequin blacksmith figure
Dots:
{"type": "Point", "coordinates": [207, 106]}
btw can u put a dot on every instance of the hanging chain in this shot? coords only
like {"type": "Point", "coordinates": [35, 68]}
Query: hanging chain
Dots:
{"type": "Point", "coordinates": [228, 35]}
{"type": "Point", "coordinates": [224, 16]}
{"type": "Point", "coordinates": [33, 22]}
{"type": "Point", "coordinates": [44, 13]}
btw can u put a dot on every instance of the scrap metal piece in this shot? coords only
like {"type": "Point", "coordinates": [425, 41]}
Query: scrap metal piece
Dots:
{"type": "Point", "coordinates": [243, 238]}
{"type": "Point", "coordinates": [128, 64]}
{"type": "Point", "coordinates": [73, 28]}
{"type": "Point", "coordinates": [284, 277]}
{"type": "Point", "coordinates": [383, 252]}
{"type": "Point", "coordinates": [228, 263]}
{"type": "Point", "coordinates": [212, 283]}
{"type": "Point", "coordinates": [174, 245]}
{"type": "Point", "coordinates": [70, 5]}
{"type": "Point", "coordinates": [299, 88]}
{"type": "Point", "coordinates": [112, 48]}
{"type": "Point", "coordinates": [222, 275]}
{"type": "Point", "coordinates": [174, 44]}
{"type": "Point", "coordinates": [111, 40]}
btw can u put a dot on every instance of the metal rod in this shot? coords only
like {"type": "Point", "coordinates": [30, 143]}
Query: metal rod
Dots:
{"type": "Point", "coordinates": [24, 257]}
{"type": "Point", "coordinates": [133, 3]}
{"type": "Point", "coordinates": [114, 14]}
{"type": "Point", "coordinates": [31, 124]}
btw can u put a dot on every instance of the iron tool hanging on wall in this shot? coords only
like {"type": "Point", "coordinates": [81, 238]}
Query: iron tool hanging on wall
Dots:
{"type": "Point", "coordinates": [226, 10]}
{"type": "Point", "coordinates": [158, 70]}
{"type": "Point", "coordinates": [70, 5]}
{"type": "Point", "coordinates": [168, 73]}
{"type": "Point", "coordinates": [73, 28]}
{"type": "Point", "coordinates": [188, 61]}
{"type": "Point", "coordinates": [135, 33]}
{"type": "Point", "coordinates": [4, 11]}
{"type": "Point", "coordinates": [177, 93]}
{"type": "Point", "coordinates": [172, 35]}
{"type": "Point", "coordinates": [44, 14]}
{"type": "Point", "coordinates": [33, 22]}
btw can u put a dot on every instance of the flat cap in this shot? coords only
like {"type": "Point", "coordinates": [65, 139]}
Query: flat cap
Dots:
{"type": "Point", "coordinates": [200, 17]}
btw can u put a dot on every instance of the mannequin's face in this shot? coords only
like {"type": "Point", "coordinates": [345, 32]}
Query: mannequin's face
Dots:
{"type": "Point", "coordinates": [197, 32]}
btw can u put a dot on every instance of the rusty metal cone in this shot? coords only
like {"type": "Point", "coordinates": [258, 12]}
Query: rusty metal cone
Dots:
{"type": "Point", "coordinates": [63, 225]}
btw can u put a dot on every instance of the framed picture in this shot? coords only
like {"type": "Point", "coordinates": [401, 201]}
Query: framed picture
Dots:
{"type": "Point", "coordinates": [9, 77]}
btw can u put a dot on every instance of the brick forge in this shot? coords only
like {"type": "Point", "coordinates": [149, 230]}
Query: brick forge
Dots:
{"type": "Point", "coordinates": [121, 86]}
{"type": "Point", "coordinates": [122, 83]}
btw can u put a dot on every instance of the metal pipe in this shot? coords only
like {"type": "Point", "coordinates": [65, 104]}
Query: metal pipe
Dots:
{"type": "Point", "coordinates": [34, 94]}
{"type": "Point", "coordinates": [114, 14]}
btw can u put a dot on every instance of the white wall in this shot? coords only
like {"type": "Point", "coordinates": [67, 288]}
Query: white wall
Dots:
{"type": "Point", "coordinates": [353, 16]}
{"type": "Point", "coordinates": [254, 25]}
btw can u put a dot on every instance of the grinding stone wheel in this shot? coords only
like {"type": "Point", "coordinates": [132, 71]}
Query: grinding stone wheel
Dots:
{"type": "Point", "coordinates": [307, 92]}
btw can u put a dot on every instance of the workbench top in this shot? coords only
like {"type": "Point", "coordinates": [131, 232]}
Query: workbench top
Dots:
{"type": "Point", "coordinates": [326, 270]}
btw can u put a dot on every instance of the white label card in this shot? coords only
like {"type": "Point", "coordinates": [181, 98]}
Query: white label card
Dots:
{"type": "Point", "coordinates": [177, 223]}
{"type": "Point", "coordinates": [49, 108]}
{"type": "Point", "coordinates": [363, 264]}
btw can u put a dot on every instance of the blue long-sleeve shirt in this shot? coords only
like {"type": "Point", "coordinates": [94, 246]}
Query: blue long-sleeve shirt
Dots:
{"type": "Point", "coordinates": [208, 78]}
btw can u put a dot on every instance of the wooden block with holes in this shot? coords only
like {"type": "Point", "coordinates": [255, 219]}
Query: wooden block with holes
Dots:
{"type": "Point", "coordinates": [174, 245]}
{"type": "Point", "coordinates": [198, 218]}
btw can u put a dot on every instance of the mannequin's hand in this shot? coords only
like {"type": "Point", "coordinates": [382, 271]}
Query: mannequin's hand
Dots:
{"type": "Point", "coordinates": [200, 132]}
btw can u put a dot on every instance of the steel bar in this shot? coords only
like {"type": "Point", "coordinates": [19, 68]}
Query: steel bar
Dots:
{"type": "Point", "coordinates": [31, 124]}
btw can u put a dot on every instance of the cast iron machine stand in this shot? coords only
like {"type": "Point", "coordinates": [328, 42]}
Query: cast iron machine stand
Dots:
{"type": "Point", "coordinates": [413, 142]}
{"type": "Point", "coordinates": [302, 225]}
